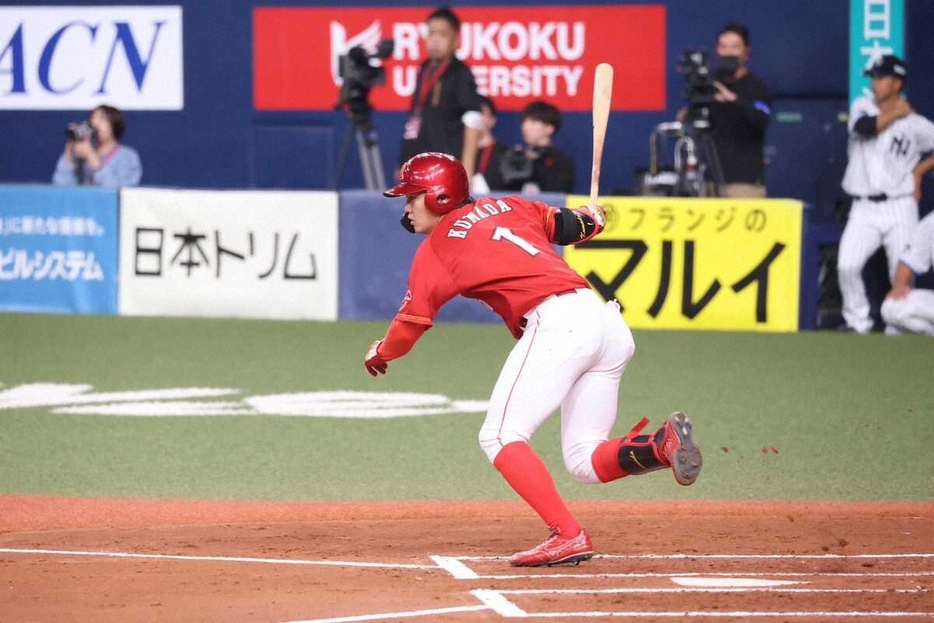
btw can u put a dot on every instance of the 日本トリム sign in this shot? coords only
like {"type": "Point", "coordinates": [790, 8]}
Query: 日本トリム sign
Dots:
{"type": "Point", "coordinates": [242, 253]}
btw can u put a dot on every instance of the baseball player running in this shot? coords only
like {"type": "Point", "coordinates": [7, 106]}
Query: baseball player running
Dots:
{"type": "Point", "coordinates": [887, 140]}
{"type": "Point", "coordinates": [571, 352]}
{"type": "Point", "coordinates": [908, 309]}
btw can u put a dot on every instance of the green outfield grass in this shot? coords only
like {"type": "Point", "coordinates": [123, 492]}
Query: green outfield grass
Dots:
{"type": "Point", "coordinates": [811, 416]}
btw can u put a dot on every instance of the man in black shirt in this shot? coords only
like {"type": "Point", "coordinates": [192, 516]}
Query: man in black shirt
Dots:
{"type": "Point", "coordinates": [739, 116]}
{"type": "Point", "coordinates": [445, 112]}
{"type": "Point", "coordinates": [539, 166]}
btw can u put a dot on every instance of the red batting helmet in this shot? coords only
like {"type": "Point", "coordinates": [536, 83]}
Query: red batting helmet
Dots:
{"type": "Point", "coordinates": [441, 177]}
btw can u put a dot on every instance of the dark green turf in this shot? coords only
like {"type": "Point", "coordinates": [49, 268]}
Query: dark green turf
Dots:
{"type": "Point", "coordinates": [813, 416]}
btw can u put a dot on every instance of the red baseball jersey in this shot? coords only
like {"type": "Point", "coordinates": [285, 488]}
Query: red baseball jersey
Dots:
{"type": "Point", "coordinates": [498, 251]}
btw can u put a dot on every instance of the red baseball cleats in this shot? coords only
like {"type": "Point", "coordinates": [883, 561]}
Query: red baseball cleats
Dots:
{"type": "Point", "coordinates": [680, 449]}
{"type": "Point", "coordinates": [557, 550]}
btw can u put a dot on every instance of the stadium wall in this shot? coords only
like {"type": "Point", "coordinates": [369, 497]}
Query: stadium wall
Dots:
{"type": "Point", "coordinates": [322, 255]}
{"type": "Point", "coordinates": [219, 139]}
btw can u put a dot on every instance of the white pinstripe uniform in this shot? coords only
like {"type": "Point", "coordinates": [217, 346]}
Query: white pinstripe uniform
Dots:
{"type": "Point", "coordinates": [915, 312]}
{"type": "Point", "coordinates": [884, 213]}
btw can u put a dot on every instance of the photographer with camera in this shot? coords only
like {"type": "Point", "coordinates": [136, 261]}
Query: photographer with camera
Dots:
{"type": "Point", "coordinates": [739, 115]}
{"type": "Point", "coordinates": [445, 112]}
{"type": "Point", "coordinates": [94, 156]}
{"type": "Point", "coordinates": [538, 166]}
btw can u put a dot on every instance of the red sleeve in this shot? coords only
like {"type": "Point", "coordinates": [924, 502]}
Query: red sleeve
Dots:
{"type": "Point", "coordinates": [400, 338]}
{"type": "Point", "coordinates": [545, 212]}
{"type": "Point", "coordinates": [430, 287]}
{"type": "Point", "coordinates": [548, 214]}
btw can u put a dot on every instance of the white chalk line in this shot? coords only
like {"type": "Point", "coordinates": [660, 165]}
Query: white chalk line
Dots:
{"type": "Point", "coordinates": [496, 601]}
{"type": "Point", "coordinates": [710, 614]}
{"type": "Point", "coordinates": [789, 574]}
{"type": "Point", "coordinates": [499, 604]}
{"type": "Point", "coordinates": [457, 569]}
{"type": "Point", "coordinates": [186, 557]}
{"type": "Point", "coordinates": [382, 616]}
{"type": "Point", "coordinates": [726, 557]}
{"type": "Point", "coordinates": [741, 589]}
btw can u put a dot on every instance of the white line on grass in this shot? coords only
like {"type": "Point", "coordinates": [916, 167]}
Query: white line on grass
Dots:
{"type": "Point", "coordinates": [268, 561]}
{"type": "Point", "coordinates": [382, 616]}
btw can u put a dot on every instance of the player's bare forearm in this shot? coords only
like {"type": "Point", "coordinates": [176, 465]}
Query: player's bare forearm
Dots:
{"type": "Point", "coordinates": [469, 155]}
{"type": "Point", "coordinates": [924, 167]}
{"type": "Point", "coordinates": [901, 284]}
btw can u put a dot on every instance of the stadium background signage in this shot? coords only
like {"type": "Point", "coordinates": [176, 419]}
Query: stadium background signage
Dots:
{"type": "Point", "coordinates": [247, 254]}
{"type": "Point", "coordinates": [58, 250]}
{"type": "Point", "coordinates": [697, 263]}
{"type": "Point", "coordinates": [516, 53]}
{"type": "Point", "coordinates": [74, 58]}
{"type": "Point", "coordinates": [877, 27]}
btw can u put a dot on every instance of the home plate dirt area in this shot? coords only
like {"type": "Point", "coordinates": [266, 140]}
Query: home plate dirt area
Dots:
{"type": "Point", "coordinates": [79, 559]}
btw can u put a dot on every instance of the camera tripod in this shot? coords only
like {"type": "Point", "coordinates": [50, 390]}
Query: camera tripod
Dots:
{"type": "Point", "coordinates": [361, 127]}
{"type": "Point", "coordinates": [697, 169]}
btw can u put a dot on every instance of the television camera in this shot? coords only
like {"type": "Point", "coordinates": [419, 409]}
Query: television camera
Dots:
{"type": "Point", "coordinates": [359, 74]}
{"type": "Point", "coordinates": [700, 76]}
{"type": "Point", "coordinates": [696, 170]}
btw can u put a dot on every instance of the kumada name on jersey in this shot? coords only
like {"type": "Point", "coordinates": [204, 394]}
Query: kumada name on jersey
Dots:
{"type": "Point", "coordinates": [461, 227]}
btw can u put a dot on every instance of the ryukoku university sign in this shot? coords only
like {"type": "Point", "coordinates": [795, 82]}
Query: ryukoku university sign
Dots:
{"type": "Point", "coordinates": [515, 53]}
{"type": "Point", "coordinates": [71, 58]}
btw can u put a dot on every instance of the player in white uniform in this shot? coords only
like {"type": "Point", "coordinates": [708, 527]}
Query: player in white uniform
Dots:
{"type": "Point", "coordinates": [887, 142]}
{"type": "Point", "coordinates": [906, 308]}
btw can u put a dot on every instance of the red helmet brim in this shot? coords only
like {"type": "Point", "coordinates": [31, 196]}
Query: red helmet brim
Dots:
{"type": "Point", "coordinates": [404, 189]}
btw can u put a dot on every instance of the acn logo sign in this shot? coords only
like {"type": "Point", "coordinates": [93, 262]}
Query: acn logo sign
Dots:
{"type": "Point", "coordinates": [68, 58]}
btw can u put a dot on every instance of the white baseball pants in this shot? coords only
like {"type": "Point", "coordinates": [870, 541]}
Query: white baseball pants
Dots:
{"type": "Point", "coordinates": [572, 355]}
{"type": "Point", "coordinates": [871, 225]}
{"type": "Point", "coordinates": [912, 314]}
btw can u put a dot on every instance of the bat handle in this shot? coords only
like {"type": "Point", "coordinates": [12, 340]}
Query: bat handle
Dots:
{"type": "Point", "coordinates": [595, 179]}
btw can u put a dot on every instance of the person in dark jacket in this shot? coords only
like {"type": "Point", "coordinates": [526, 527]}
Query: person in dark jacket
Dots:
{"type": "Point", "coordinates": [445, 112]}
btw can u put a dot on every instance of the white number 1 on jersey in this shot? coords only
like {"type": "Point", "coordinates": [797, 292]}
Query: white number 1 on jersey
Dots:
{"type": "Point", "coordinates": [504, 233]}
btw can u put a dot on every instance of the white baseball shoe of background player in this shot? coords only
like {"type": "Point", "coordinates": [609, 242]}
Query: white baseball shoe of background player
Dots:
{"type": "Point", "coordinates": [907, 309]}
{"type": "Point", "coordinates": [887, 139]}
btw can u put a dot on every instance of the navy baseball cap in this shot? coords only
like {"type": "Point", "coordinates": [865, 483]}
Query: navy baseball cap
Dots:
{"type": "Point", "coordinates": [887, 65]}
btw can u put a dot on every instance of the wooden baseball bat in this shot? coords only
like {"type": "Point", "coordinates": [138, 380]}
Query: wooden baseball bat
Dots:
{"type": "Point", "coordinates": [602, 94]}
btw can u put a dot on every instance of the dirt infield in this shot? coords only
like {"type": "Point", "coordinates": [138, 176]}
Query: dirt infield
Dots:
{"type": "Point", "coordinates": [76, 559]}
